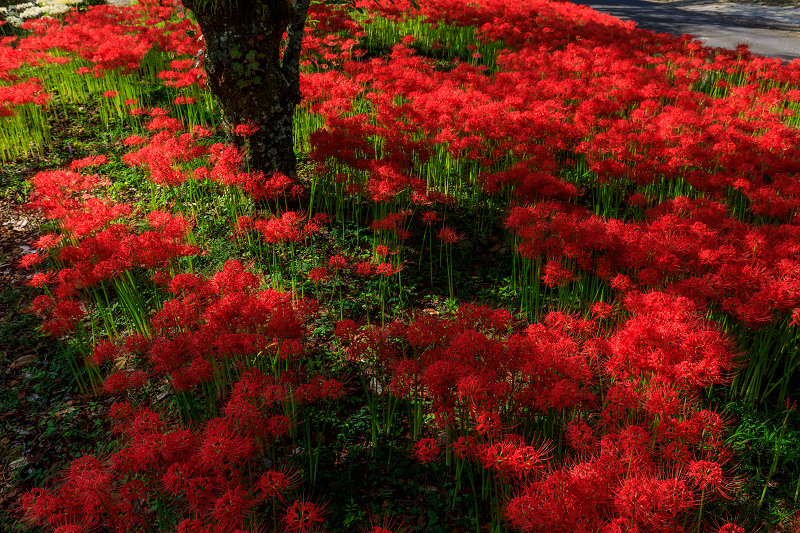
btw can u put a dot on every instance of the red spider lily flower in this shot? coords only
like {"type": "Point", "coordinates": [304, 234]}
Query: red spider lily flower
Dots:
{"type": "Point", "coordinates": [405, 377]}
{"type": "Point", "coordinates": [243, 224]}
{"type": "Point", "coordinates": [244, 130]}
{"type": "Point", "coordinates": [116, 383]}
{"type": "Point", "coordinates": [119, 382]}
{"type": "Point", "coordinates": [464, 446]}
{"type": "Point", "coordinates": [193, 76]}
{"type": "Point", "coordinates": [651, 501]}
{"type": "Point", "coordinates": [278, 426]}
{"type": "Point", "coordinates": [104, 351]}
{"type": "Point", "coordinates": [497, 456]}
{"type": "Point", "coordinates": [222, 447]}
{"type": "Point", "coordinates": [382, 250]}
{"type": "Point", "coordinates": [88, 484]}
{"type": "Point", "coordinates": [354, 189]}
{"type": "Point", "coordinates": [30, 260]}
{"type": "Point", "coordinates": [488, 424]}
{"type": "Point", "coordinates": [137, 379]}
{"type": "Point", "coordinates": [40, 505]}
{"type": "Point", "coordinates": [257, 184]}
{"type": "Point", "coordinates": [426, 331]}
{"type": "Point", "coordinates": [337, 262]}
{"type": "Point", "coordinates": [68, 528]}
{"type": "Point", "coordinates": [602, 310]}
{"type": "Point", "coordinates": [30, 92]}
{"type": "Point", "coordinates": [795, 318]}
{"type": "Point", "coordinates": [475, 390]}
{"type": "Point", "coordinates": [134, 140]}
{"type": "Point", "coordinates": [471, 316]}
{"type": "Point", "coordinates": [91, 161]}
{"type": "Point", "coordinates": [200, 132]}
{"type": "Point", "coordinates": [638, 200]}
{"type": "Point", "coordinates": [199, 371]}
{"type": "Point", "coordinates": [387, 526]}
{"type": "Point", "coordinates": [40, 279]}
{"type": "Point", "coordinates": [165, 123]}
{"type": "Point", "coordinates": [364, 269]}
{"type": "Point", "coordinates": [110, 94]}
{"type": "Point", "coordinates": [524, 460]}
{"type": "Point", "coordinates": [189, 525]}
{"type": "Point", "coordinates": [331, 389]}
{"type": "Point", "coordinates": [730, 528]}
{"type": "Point", "coordinates": [448, 235]}
{"type": "Point", "coordinates": [621, 282]}
{"type": "Point", "coordinates": [385, 270]}
{"type": "Point", "coordinates": [42, 305]}
{"type": "Point", "coordinates": [181, 64]}
{"type": "Point", "coordinates": [580, 435]}
{"type": "Point", "coordinates": [137, 344]}
{"type": "Point", "coordinates": [556, 275]}
{"type": "Point", "coordinates": [291, 348]}
{"type": "Point", "coordinates": [622, 525]}
{"type": "Point", "coordinates": [318, 275]}
{"type": "Point", "coordinates": [47, 241]}
{"type": "Point", "coordinates": [391, 222]}
{"type": "Point", "coordinates": [698, 354]}
{"type": "Point", "coordinates": [290, 227]}
{"type": "Point", "coordinates": [426, 450]}
{"type": "Point", "coordinates": [231, 508]}
{"type": "Point", "coordinates": [709, 476]}
{"type": "Point", "coordinates": [303, 517]}
{"type": "Point", "coordinates": [318, 389]}
{"type": "Point", "coordinates": [275, 483]}
{"type": "Point", "coordinates": [523, 512]}
{"type": "Point", "coordinates": [65, 315]}
{"type": "Point", "coordinates": [346, 330]}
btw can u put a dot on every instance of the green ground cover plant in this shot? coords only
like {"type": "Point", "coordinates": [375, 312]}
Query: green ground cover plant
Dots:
{"type": "Point", "coordinates": [538, 271]}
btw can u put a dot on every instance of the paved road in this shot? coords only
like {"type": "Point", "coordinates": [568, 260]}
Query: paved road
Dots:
{"type": "Point", "coordinates": [765, 37]}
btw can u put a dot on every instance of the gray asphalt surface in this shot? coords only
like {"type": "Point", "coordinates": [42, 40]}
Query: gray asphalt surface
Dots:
{"type": "Point", "coordinates": [765, 37]}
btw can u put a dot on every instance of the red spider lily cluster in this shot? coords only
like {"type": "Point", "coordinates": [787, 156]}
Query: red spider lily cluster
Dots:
{"type": "Point", "coordinates": [647, 183]}
{"type": "Point", "coordinates": [693, 248]}
{"type": "Point", "coordinates": [102, 51]}
{"type": "Point", "coordinates": [643, 451]}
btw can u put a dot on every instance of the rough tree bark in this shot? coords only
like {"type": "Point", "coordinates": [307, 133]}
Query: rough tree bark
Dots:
{"type": "Point", "coordinates": [248, 77]}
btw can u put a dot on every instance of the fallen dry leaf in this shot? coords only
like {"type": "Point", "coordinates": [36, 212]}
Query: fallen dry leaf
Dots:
{"type": "Point", "coordinates": [20, 224]}
{"type": "Point", "coordinates": [60, 414]}
{"type": "Point", "coordinates": [23, 361]}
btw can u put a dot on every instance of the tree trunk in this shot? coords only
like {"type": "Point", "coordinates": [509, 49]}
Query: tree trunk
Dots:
{"type": "Point", "coordinates": [246, 75]}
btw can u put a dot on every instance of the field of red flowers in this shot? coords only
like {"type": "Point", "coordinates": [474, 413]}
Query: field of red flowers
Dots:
{"type": "Point", "coordinates": [536, 269]}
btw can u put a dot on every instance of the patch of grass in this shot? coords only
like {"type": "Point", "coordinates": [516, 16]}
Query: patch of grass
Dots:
{"type": "Point", "coordinates": [759, 440]}
{"type": "Point", "coordinates": [44, 422]}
